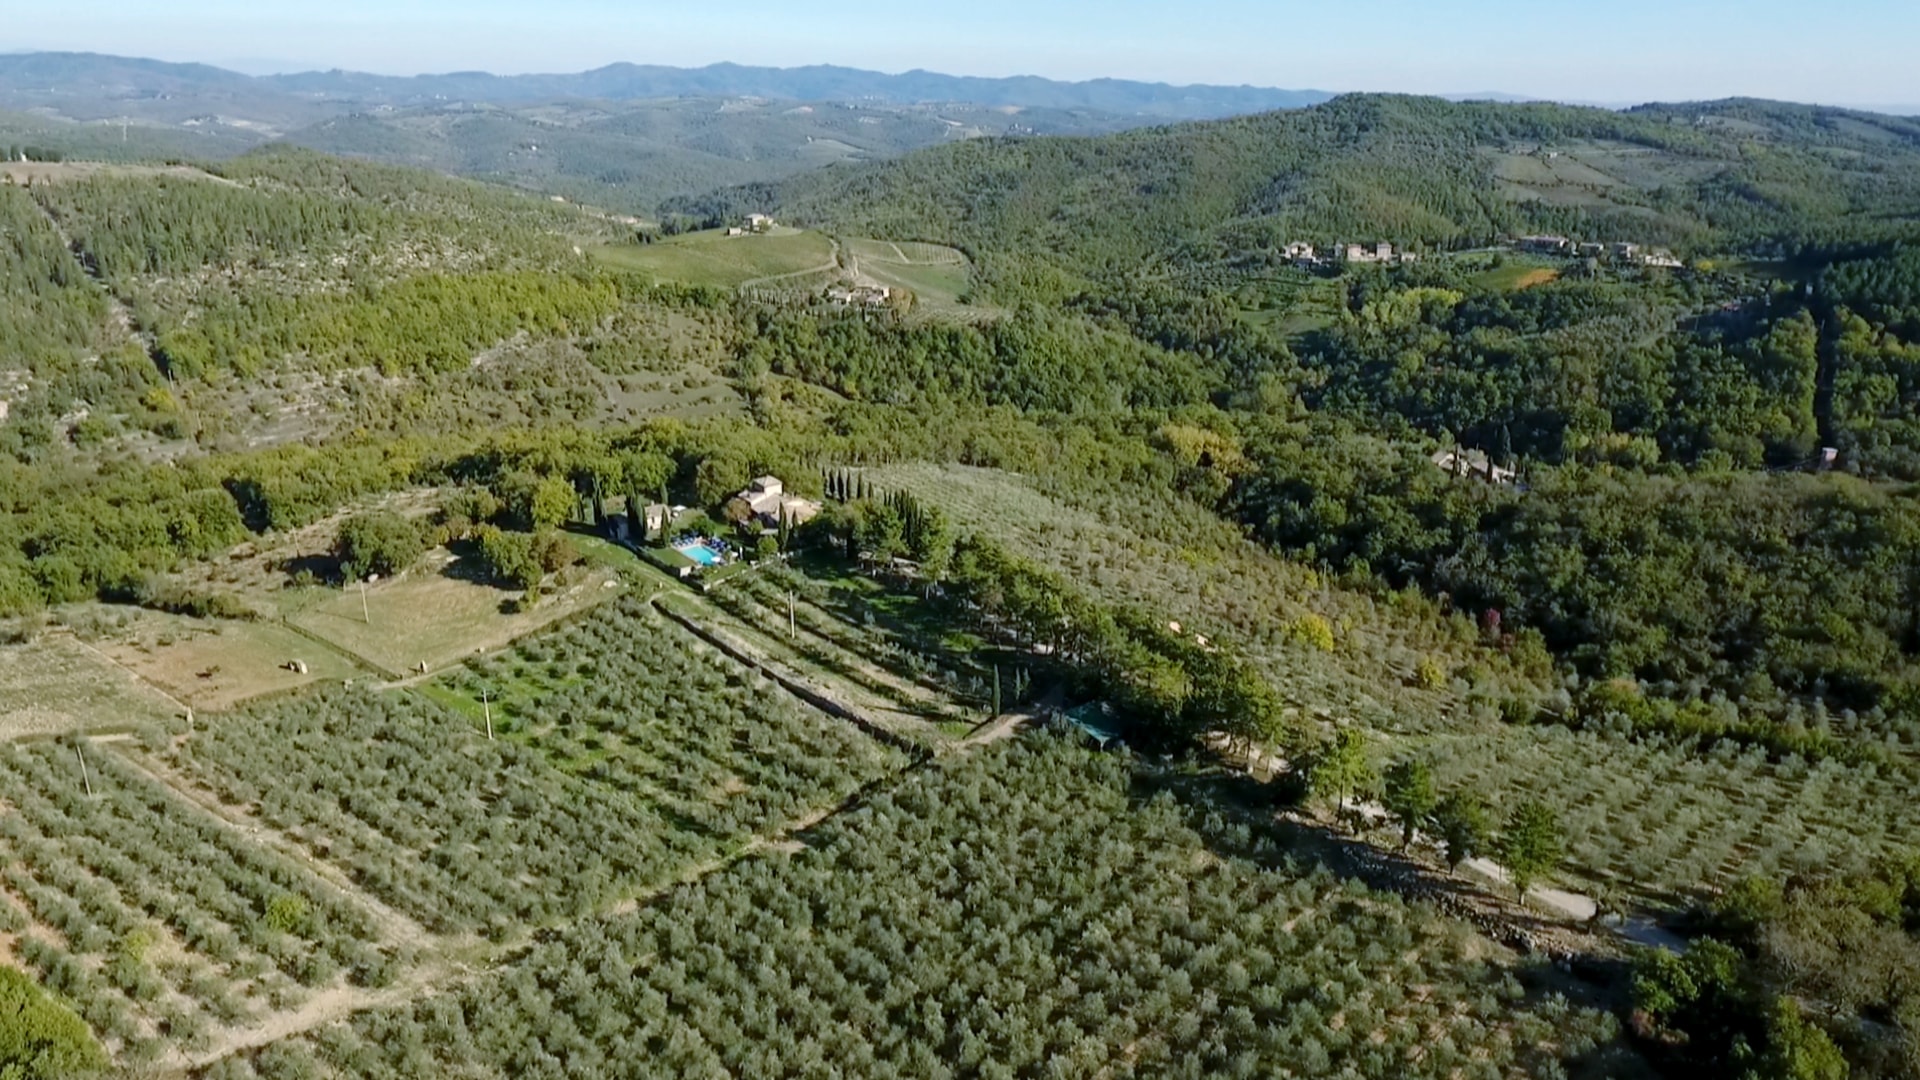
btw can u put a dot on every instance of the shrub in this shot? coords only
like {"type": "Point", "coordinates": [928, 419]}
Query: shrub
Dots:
{"type": "Point", "coordinates": [40, 1039]}
{"type": "Point", "coordinates": [172, 597]}
{"type": "Point", "coordinates": [287, 913]}
{"type": "Point", "coordinates": [554, 551]}
{"type": "Point", "coordinates": [1311, 630]}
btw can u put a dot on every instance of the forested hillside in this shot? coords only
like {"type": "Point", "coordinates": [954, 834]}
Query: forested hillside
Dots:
{"type": "Point", "coordinates": [1418, 588]}
{"type": "Point", "coordinates": [635, 155]}
{"type": "Point", "coordinates": [1412, 171]}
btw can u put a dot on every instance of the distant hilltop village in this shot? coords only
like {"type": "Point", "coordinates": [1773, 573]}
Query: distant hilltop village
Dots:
{"type": "Point", "coordinates": [1307, 257]}
{"type": "Point", "coordinates": [1618, 251]}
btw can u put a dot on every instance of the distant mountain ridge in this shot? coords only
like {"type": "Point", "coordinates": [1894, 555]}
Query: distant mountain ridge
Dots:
{"type": "Point", "coordinates": [46, 72]}
{"type": "Point", "coordinates": [627, 136]}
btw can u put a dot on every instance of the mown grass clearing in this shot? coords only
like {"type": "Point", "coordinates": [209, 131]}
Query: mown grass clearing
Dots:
{"type": "Point", "coordinates": [714, 258]}
{"type": "Point", "coordinates": [433, 615]}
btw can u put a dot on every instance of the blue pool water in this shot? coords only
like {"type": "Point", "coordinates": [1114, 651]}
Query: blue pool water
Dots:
{"type": "Point", "coordinates": [699, 553]}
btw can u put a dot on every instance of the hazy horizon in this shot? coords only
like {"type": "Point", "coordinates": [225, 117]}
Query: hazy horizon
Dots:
{"type": "Point", "coordinates": [1633, 51]}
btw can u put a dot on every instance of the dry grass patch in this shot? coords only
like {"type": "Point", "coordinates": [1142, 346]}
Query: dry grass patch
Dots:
{"type": "Point", "coordinates": [52, 172]}
{"type": "Point", "coordinates": [57, 684]}
{"type": "Point", "coordinates": [429, 616]}
{"type": "Point", "coordinates": [216, 664]}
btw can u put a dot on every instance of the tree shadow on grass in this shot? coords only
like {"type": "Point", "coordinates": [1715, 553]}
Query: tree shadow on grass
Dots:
{"type": "Point", "coordinates": [466, 564]}
{"type": "Point", "coordinates": [317, 567]}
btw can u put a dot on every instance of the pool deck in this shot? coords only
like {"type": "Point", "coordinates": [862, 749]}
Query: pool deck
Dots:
{"type": "Point", "coordinates": [700, 553]}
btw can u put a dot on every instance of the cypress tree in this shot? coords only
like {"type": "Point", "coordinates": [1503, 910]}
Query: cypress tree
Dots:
{"type": "Point", "coordinates": [996, 689]}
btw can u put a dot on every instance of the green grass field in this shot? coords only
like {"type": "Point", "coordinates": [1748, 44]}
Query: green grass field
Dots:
{"type": "Point", "coordinates": [435, 618]}
{"type": "Point", "coordinates": [714, 258]}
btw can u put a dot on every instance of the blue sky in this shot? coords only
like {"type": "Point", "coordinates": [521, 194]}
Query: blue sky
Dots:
{"type": "Point", "coordinates": [1840, 51]}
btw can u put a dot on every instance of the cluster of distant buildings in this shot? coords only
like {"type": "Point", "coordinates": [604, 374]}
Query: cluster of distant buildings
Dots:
{"type": "Point", "coordinates": [1619, 251]}
{"type": "Point", "coordinates": [1307, 257]}
{"type": "Point", "coordinates": [756, 224]}
{"type": "Point", "coordinates": [859, 295]}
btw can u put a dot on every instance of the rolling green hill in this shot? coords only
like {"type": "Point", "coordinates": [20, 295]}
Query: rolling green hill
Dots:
{"type": "Point", "coordinates": [1413, 171]}
{"type": "Point", "coordinates": [1668, 663]}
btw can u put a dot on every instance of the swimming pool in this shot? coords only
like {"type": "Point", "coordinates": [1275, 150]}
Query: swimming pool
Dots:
{"type": "Point", "coordinates": [699, 552]}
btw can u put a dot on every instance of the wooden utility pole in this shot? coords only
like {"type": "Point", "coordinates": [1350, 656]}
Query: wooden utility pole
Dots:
{"type": "Point", "coordinates": [365, 615]}
{"type": "Point", "coordinates": [83, 770]}
{"type": "Point", "coordinates": [486, 707]}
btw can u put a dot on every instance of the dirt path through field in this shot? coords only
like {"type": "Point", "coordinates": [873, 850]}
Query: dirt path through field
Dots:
{"type": "Point", "coordinates": [1011, 724]}
{"type": "Point", "coordinates": [323, 1008]}
{"type": "Point", "coordinates": [448, 969]}
{"type": "Point", "coordinates": [832, 264]}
